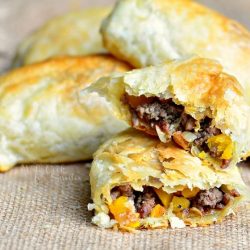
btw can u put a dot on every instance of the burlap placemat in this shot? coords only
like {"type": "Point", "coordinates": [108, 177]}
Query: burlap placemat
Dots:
{"type": "Point", "coordinates": [44, 207]}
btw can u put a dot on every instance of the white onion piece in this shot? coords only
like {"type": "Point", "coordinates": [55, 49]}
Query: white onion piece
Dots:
{"type": "Point", "coordinates": [195, 151]}
{"type": "Point", "coordinates": [161, 135]}
{"type": "Point", "coordinates": [189, 137]}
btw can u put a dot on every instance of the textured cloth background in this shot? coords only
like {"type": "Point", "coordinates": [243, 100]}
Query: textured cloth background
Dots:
{"type": "Point", "coordinates": [44, 207]}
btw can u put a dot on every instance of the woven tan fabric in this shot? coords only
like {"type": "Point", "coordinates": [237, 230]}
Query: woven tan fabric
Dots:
{"type": "Point", "coordinates": [44, 207]}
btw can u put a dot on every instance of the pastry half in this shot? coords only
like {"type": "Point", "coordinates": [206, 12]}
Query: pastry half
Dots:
{"type": "Point", "coordinates": [138, 182]}
{"type": "Point", "coordinates": [75, 33]}
{"type": "Point", "coordinates": [191, 101]}
{"type": "Point", "coordinates": [41, 118]}
{"type": "Point", "coordinates": [149, 32]}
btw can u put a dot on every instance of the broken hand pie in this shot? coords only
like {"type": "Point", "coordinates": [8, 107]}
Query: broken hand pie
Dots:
{"type": "Point", "coordinates": [137, 182]}
{"type": "Point", "coordinates": [192, 102]}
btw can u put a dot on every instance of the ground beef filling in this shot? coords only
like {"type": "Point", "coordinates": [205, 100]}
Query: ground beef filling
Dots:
{"type": "Point", "coordinates": [212, 198]}
{"type": "Point", "coordinates": [171, 119]}
{"type": "Point", "coordinates": [206, 200]}
{"type": "Point", "coordinates": [168, 116]}
{"type": "Point", "coordinates": [144, 201]}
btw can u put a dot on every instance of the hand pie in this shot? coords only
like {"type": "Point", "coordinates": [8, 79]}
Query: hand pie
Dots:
{"type": "Point", "coordinates": [41, 119]}
{"type": "Point", "coordinates": [153, 31]}
{"type": "Point", "coordinates": [137, 182]}
{"type": "Point", "coordinates": [75, 33]}
{"type": "Point", "coordinates": [191, 101]}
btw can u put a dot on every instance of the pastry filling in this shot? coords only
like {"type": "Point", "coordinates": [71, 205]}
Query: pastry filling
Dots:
{"type": "Point", "coordinates": [129, 206]}
{"type": "Point", "coordinates": [168, 120]}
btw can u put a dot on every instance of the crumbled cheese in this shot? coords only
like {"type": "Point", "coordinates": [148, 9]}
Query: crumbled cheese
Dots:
{"type": "Point", "coordinates": [103, 220]}
{"type": "Point", "coordinates": [175, 222]}
{"type": "Point", "coordinates": [230, 211]}
{"type": "Point", "coordinates": [91, 206]}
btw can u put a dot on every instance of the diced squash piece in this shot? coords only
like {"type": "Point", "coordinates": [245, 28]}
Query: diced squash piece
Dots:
{"type": "Point", "coordinates": [226, 188]}
{"type": "Point", "coordinates": [135, 101]}
{"type": "Point", "coordinates": [188, 193]}
{"type": "Point", "coordinates": [195, 212]}
{"type": "Point", "coordinates": [118, 206]}
{"type": "Point", "coordinates": [228, 152]}
{"type": "Point", "coordinates": [223, 144]}
{"type": "Point", "coordinates": [202, 155]}
{"type": "Point", "coordinates": [179, 139]}
{"type": "Point", "coordinates": [158, 211]}
{"type": "Point", "coordinates": [180, 203]}
{"type": "Point", "coordinates": [164, 197]}
{"type": "Point", "coordinates": [123, 212]}
{"type": "Point", "coordinates": [134, 224]}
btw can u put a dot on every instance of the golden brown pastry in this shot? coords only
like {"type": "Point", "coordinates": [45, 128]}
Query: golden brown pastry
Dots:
{"type": "Point", "coordinates": [191, 101]}
{"type": "Point", "coordinates": [137, 182]}
{"type": "Point", "coordinates": [75, 33]}
{"type": "Point", "coordinates": [148, 32]}
{"type": "Point", "coordinates": [41, 119]}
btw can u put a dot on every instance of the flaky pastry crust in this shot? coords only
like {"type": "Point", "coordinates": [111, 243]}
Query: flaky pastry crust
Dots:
{"type": "Point", "coordinates": [41, 118]}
